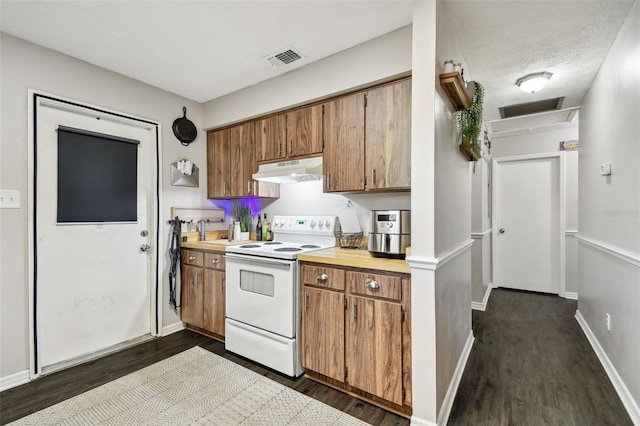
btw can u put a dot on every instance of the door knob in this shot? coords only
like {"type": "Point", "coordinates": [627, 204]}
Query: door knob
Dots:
{"type": "Point", "coordinates": [145, 248]}
{"type": "Point", "coordinates": [501, 230]}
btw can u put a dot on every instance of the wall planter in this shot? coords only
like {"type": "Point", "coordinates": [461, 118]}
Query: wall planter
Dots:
{"type": "Point", "coordinates": [469, 123]}
{"type": "Point", "coordinates": [467, 148]}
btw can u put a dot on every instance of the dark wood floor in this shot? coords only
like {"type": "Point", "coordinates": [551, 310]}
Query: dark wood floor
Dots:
{"type": "Point", "coordinates": [530, 365]}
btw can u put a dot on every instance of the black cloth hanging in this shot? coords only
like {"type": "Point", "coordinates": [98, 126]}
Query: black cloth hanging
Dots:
{"type": "Point", "coordinates": [174, 256]}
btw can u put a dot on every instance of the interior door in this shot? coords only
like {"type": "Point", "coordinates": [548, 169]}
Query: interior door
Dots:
{"type": "Point", "coordinates": [93, 280]}
{"type": "Point", "coordinates": [527, 224]}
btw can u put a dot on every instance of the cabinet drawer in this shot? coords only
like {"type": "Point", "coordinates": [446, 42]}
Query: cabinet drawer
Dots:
{"type": "Point", "coordinates": [192, 257]}
{"type": "Point", "coordinates": [375, 285]}
{"type": "Point", "coordinates": [214, 261]}
{"type": "Point", "coordinates": [322, 277]}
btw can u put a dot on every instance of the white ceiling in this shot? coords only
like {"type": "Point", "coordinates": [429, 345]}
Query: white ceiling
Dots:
{"type": "Point", "coordinates": [205, 49]}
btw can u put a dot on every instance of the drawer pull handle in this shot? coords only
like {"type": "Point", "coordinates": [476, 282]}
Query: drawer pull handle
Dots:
{"type": "Point", "coordinates": [192, 258]}
{"type": "Point", "coordinates": [322, 277]}
{"type": "Point", "coordinates": [372, 285]}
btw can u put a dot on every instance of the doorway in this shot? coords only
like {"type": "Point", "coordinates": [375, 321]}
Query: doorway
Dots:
{"type": "Point", "coordinates": [528, 223]}
{"type": "Point", "coordinates": [94, 285]}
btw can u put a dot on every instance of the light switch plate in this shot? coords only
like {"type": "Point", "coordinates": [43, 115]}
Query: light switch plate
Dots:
{"type": "Point", "coordinates": [605, 169]}
{"type": "Point", "coordinates": [9, 199]}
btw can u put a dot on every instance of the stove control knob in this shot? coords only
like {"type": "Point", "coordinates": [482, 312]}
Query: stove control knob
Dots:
{"type": "Point", "coordinates": [320, 224]}
{"type": "Point", "coordinates": [327, 223]}
{"type": "Point", "coordinates": [313, 223]}
{"type": "Point", "coordinates": [280, 223]}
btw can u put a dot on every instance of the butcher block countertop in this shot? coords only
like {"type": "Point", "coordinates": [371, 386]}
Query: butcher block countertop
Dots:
{"type": "Point", "coordinates": [356, 259]}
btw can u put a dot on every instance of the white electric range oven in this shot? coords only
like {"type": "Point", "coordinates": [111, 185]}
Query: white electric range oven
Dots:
{"type": "Point", "coordinates": [262, 295]}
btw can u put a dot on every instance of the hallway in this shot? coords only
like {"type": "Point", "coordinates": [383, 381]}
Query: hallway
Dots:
{"type": "Point", "coordinates": [531, 364]}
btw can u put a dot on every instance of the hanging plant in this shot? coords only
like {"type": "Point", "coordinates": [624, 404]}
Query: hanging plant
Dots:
{"type": "Point", "coordinates": [469, 123]}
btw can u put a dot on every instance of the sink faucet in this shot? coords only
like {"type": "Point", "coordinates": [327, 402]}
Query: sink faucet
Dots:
{"type": "Point", "coordinates": [201, 223]}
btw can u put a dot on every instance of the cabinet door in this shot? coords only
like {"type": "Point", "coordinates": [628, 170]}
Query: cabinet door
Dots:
{"type": "Point", "coordinates": [214, 301]}
{"type": "Point", "coordinates": [218, 164]}
{"type": "Point", "coordinates": [343, 157]}
{"type": "Point", "coordinates": [242, 159]}
{"type": "Point", "coordinates": [270, 138]}
{"type": "Point", "coordinates": [192, 292]}
{"type": "Point", "coordinates": [374, 347]}
{"type": "Point", "coordinates": [323, 332]}
{"type": "Point", "coordinates": [388, 136]}
{"type": "Point", "coordinates": [304, 131]}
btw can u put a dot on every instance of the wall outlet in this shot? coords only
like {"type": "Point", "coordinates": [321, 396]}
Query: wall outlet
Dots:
{"type": "Point", "coordinates": [607, 321]}
{"type": "Point", "coordinates": [605, 169]}
{"type": "Point", "coordinates": [9, 199]}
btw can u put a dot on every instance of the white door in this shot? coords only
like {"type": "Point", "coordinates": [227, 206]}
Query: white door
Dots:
{"type": "Point", "coordinates": [93, 280]}
{"type": "Point", "coordinates": [527, 223]}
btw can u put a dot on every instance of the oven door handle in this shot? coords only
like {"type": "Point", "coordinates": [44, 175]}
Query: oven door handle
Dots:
{"type": "Point", "coordinates": [255, 259]}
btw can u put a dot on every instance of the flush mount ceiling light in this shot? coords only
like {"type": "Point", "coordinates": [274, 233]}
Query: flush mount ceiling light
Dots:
{"type": "Point", "coordinates": [533, 83]}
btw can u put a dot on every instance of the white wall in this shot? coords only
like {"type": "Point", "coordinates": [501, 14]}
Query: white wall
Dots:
{"type": "Point", "coordinates": [452, 227]}
{"type": "Point", "coordinates": [26, 66]}
{"type": "Point", "coordinates": [377, 59]}
{"type": "Point", "coordinates": [609, 209]}
{"type": "Point", "coordinates": [546, 141]}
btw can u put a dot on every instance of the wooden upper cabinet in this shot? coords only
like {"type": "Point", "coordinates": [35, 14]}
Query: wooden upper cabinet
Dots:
{"type": "Point", "coordinates": [231, 163]}
{"type": "Point", "coordinates": [218, 164]}
{"type": "Point", "coordinates": [388, 136]}
{"type": "Point", "coordinates": [271, 138]}
{"type": "Point", "coordinates": [304, 131]}
{"type": "Point", "coordinates": [242, 159]}
{"type": "Point", "coordinates": [343, 158]}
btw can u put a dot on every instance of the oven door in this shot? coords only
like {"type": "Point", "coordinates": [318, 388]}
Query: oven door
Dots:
{"type": "Point", "coordinates": [262, 292]}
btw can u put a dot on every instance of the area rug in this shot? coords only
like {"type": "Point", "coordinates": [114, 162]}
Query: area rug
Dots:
{"type": "Point", "coordinates": [195, 387]}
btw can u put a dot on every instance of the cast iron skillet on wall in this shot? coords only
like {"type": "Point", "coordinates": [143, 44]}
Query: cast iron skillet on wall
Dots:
{"type": "Point", "coordinates": [184, 129]}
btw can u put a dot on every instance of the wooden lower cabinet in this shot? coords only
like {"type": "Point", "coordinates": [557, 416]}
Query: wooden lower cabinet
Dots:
{"type": "Point", "coordinates": [203, 292]}
{"type": "Point", "coordinates": [324, 332]}
{"type": "Point", "coordinates": [374, 353]}
{"type": "Point", "coordinates": [191, 308]}
{"type": "Point", "coordinates": [356, 333]}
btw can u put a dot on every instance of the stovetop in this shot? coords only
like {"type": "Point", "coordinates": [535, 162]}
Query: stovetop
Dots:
{"type": "Point", "coordinates": [293, 235]}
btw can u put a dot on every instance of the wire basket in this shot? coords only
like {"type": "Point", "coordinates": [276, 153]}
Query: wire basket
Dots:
{"type": "Point", "coordinates": [348, 240]}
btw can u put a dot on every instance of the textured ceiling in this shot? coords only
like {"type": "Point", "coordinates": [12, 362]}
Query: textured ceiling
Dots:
{"type": "Point", "coordinates": [502, 41]}
{"type": "Point", "coordinates": [205, 49]}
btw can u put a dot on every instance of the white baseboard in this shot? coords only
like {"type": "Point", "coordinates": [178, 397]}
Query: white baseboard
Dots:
{"type": "Point", "coordinates": [616, 380]}
{"type": "Point", "coordinates": [415, 421]}
{"type": "Point", "coordinates": [14, 380]}
{"type": "Point", "coordinates": [170, 329]}
{"type": "Point", "coordinates": [445, 409]}
{"type": "Point", "coordinates": [571, 295]}
{"type": "Point", "coordinates": [481, 306]}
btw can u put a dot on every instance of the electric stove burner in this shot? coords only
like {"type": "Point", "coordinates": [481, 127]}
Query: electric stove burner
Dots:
{"type": "Point", "coordinates": [250, 246]}
{"type": "Point", "coordinates": [310, 246]}
{"type": "Point", "coordinates": [271, 243]}
{"type": "Point", "coordinates": [288, 249]}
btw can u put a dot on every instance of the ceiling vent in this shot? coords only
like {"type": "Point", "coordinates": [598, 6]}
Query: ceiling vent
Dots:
{"type": "Point", "coordinates": [532, 123]}
{"type": "Point", "coordinates": [531, 107]}
{"type": "Point", "coordinates": [284, 57]}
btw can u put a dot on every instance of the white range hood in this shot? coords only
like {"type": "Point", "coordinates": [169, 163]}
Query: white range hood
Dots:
{"type": "Point", "coordinates": [291, 171]}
